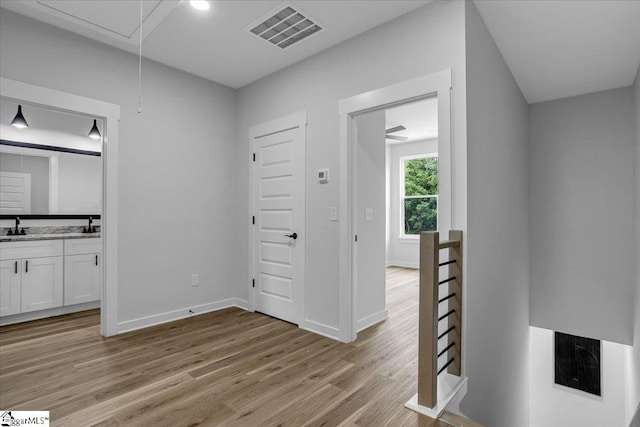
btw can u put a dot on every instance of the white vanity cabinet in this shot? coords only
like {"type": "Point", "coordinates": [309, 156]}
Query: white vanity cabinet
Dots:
{"type": "Point", "coordinates": [82, 270]}
{"type": "Point", "coordinates": [10, 286]}
{"type": "Point", "coordinates": [32, 276]}
{"type": "Point", "coordinates": [82, 259]}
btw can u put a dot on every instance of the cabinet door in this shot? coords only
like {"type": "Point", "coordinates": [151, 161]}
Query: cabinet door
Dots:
{"type": "Point", "coordinates": [41, 283]}
{"type": "Point", "coordinates": [81, 278]}
{"type": "Point", "coordinates": [10, 276]}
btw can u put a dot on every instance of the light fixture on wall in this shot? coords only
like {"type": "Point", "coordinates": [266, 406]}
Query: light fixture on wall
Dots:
{"type": "Point", "coordinates": [94, 133]}
{"type": "Point", "coordinates": [200, 4]}
{"type": "Point", "coordinates": [19, 120]}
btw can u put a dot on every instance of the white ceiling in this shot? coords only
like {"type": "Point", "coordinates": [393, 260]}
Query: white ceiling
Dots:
{"type": "Point", "coordinates": [557, 49]}
{"type": "Point", "coordinates": [419, 118]}
{"type": "Point", "coordinates": [554, 48]}
{"type": "Point", "coordinates": [212, 44]}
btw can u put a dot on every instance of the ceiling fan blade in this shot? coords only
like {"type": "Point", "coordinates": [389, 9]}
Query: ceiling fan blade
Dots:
{"type": "Point", "coordinates": [397, 138]}
{"type": "Point", "coordinates": [395, 129]}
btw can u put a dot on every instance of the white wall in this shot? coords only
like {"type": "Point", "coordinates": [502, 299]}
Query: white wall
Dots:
{"type": "Point", "coordinates": [177, 213]}
{"type": "Point", "coordinates": [556, 405]}
{"type": "Point", "coordinates": [403, 252]}
{"type": "Point", "coordinates": [432, 39]}
{"type": "Point", "coordinates": [80, 184]}
{"type": "Point", "coordinates": [497, 241]}
{"type": "Point", "coordinates": [633, 356]}
{"type": "Point", "coordinates": [370, 181]}
{"type": "Point", "coordinates": [581, 155]}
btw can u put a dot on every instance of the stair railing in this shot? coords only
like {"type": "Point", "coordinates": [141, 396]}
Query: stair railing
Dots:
{"type": "Point", "coordinates": [440, 310]}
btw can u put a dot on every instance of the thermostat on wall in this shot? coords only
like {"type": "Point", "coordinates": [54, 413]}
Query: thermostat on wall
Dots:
{"type": "Point", "coordinates": [323, 176]}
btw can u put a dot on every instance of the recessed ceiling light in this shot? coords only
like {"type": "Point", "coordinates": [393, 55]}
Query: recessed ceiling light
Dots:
{"type": "Point", "coordinates": [200, 4]}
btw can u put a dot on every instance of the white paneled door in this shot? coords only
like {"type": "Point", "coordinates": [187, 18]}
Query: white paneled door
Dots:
{"type": "Point", "coordinates": [278, 221]}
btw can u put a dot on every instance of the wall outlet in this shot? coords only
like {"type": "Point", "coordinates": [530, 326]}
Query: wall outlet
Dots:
{"type": "Point", "coordinates": [195, 280]}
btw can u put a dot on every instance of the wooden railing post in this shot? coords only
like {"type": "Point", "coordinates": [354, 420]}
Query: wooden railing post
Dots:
{"type": "Point", "coordinates": [455, 303]}
{"type": "Point", "coordinates": [428, 319]}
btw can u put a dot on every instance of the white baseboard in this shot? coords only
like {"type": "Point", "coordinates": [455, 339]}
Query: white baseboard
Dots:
{"type": "Point", "coordinates": [392, 263]}
{"type": "Point", "coordinates": [371, 320]}
{"type": "Point", "coordinates": [320, 329]}
{"type": "Point", "coordinates": [51, 312]}
{"type": "Point", "coordinates": [169, 316]}
{"type": "Point", "coordinates": [635, 419]}
{"type": "Point", "coordinates": [243, 304]}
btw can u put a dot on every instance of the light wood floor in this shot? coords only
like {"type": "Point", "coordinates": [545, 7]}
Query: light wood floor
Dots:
{"type": "Point", "coordinates": [229, 368]}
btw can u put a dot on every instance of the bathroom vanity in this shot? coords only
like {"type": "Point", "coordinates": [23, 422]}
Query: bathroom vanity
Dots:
{"type": "Point", "coordinates": [43, 275]}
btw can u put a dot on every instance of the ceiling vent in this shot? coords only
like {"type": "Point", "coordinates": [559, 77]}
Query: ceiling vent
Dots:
{"type": "Point", "coordinates": [284, 27]}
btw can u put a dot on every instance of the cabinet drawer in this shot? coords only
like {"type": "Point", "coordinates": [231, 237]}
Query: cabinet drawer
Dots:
{"type": "Point", "coordinates": [83, 246]}
{"type": "Point", "coordinates": [30, 249]}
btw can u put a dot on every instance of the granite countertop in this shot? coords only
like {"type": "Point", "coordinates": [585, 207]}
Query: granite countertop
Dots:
{"type": "Point", "coordinates": [48, 233]}
{"type": "Point", "coordinates": [28, 237]}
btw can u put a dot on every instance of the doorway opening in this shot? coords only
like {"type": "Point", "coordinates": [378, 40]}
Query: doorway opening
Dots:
{"type": "Point", "coordinates": [396, 196]}
{"type": "Point", "coordinates": [104, 284]}
{"type": "Point", "coordinates": [383, 212]}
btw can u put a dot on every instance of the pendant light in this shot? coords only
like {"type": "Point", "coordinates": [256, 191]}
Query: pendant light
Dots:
{"type": "Point", "coordinates": [19, 120]}
{"type": "Point", "coordinates": [94, 133]}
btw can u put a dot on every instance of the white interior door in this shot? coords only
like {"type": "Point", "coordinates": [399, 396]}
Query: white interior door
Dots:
{"type": "Point", "coordinates": [278, 206]}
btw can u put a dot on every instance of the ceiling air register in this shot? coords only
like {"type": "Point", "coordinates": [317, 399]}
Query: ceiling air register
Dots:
{"type": "Point", "coordinates": [284, 27]}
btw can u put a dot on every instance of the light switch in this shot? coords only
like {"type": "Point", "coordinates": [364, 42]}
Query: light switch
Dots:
{"type": "Point", "coordinates": [368, 214]}
{"type": "Point", "coordinates": [333, 213]}
{"type": "Point", "coordinates": [323, 176]}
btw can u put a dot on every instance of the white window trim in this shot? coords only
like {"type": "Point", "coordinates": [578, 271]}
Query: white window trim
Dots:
{"type": "Point", "coordinates": [402, 235]}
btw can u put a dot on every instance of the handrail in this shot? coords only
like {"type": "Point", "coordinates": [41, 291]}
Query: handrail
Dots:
{"type": "Point", "coordinates": [450, 305]}
{"type": "Point", "coordinates": [451, 243]}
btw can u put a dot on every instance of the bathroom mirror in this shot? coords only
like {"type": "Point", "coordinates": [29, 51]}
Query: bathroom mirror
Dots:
{"type": "Point", "coordinates": [51, 168]}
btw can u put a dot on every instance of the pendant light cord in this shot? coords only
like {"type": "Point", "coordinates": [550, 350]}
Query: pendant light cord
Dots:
{"type": "Point", "coordinates": [140, 64]}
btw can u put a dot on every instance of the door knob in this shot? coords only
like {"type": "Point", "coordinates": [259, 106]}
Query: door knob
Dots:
{"type": "Point", "coordinates": [294, 236]}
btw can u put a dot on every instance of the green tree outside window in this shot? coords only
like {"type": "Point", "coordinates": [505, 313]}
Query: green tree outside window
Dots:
{"type": "Point", "coordinates": [420, 199]}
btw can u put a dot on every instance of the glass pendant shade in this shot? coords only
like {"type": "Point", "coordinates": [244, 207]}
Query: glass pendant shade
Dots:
{"type": "Point", "coordinates": [19, 120]}
{"type": "Point", "coordinates": [94, 133]}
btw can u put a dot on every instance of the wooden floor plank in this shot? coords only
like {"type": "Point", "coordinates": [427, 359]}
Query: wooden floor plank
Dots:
{"type": "Point", "coordinates": [229, 368]}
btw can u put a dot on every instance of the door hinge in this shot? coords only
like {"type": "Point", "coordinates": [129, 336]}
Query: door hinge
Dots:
{"type": "Point", "coordinates": [356, 237]}
{"type": "Point", "coordinates": [253, 283]}
{"type": "Point", "coordinates": [254, 157]}
{"type": "Point", "coordinates": [253, 219]}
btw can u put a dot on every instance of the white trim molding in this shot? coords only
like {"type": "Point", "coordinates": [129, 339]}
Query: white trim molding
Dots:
{"type": "Point", "coordinates": [320, 329]}
{"type": "Point", "coordinates": [436, 84]}
{"type": "Point", "coordinates": [170, 316]}
{"type": "Point", "coordinates": [110, 113]}
{"type": "Point", "coordinates": [371, 320]}
{"type": "Point", "coordinates": [451, 391]}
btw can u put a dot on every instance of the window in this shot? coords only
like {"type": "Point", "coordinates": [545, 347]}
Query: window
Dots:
{"type": "Point", "coordinates": [419, 194]}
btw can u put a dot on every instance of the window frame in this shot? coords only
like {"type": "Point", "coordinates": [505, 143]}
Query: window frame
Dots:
{"type": "Point", "coordinates": [403, 196]}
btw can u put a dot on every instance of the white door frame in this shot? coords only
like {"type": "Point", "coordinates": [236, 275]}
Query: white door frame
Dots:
{"type": "Point", "coordinates": [110, 113]}
{"type": "Point", "coordinates": [277, 125]}
{"type": "Point", "coordinates": [439, 84]}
